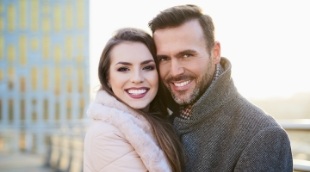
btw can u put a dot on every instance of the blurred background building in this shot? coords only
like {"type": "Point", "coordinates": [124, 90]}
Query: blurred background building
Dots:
{"type": "Point", "coordinates": [44, 70]}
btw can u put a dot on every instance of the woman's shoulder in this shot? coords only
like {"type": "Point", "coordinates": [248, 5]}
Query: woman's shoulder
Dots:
{"type": "Point", "coordinates": [106, 148]}
{"type": "Point", "coordinates": [99, 128]}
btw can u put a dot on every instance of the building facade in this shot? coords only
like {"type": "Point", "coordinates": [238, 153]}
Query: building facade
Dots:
{"type": "Point", "coordinates": [44, 69]}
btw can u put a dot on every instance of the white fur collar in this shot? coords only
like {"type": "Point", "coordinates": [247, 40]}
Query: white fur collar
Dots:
{"type": "Point", "coordinates": [134, 126]}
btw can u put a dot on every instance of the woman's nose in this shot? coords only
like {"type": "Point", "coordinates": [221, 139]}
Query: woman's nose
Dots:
{"type": "Point", "coordinates": [137, 77]}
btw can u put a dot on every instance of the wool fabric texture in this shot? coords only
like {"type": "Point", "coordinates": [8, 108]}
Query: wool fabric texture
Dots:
{"type": "Point", "coordinates": [227, 133]}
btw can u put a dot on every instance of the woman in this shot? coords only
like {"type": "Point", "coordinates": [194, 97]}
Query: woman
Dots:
{"type": "Point", "coordinates": [130, 129]}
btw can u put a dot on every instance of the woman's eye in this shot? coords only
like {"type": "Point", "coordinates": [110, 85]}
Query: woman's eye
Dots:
{"type": "Point", "coordinates": [122, 69]}
{"type": "Point", "coordinates": [151, 67]}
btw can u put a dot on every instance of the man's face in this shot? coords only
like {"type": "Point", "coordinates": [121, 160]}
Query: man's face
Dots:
{"type": "Point", "coordinates": [186, 67]}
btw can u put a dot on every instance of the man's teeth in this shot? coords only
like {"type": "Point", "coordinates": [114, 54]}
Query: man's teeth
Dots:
{"type": "Point", "coordinates": [141, 91]}
{"type": "Point", "coordinates": [181, 84]}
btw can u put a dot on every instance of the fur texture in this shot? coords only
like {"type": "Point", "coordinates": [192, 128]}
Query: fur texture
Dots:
{"type": "Point", "coordinates": [133, 126]}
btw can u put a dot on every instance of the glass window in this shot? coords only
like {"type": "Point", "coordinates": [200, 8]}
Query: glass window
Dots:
{"type": "Point", "coordinates": [57, 54]}
{"type": "Point", "coordinates": [69, 109]}
{"type": "Point", "coordinates": [34, 15]}
{"type": "Point", "coordinates": [11, 110]}
{"type": "Point", "coordinates": [35, 44]}
{"type": "Point", "coordinates": [45, 79]}
{"type": "Point", "coordinates": [11, 53]}
{"type": "Point", "coordinates": [68, 17]}
{"type": "Point", "coordinates": [46, 25]}
{"type": "Point", "coordinates": [81, 108]}
{"type": "Point", "coordinates": [45, 109]}
{"type": "Point", "coordinates": [69, 47]}
{"type": "Point", "coordinates": [11, 17]}
{"type": "Point", "coordinates": [11, 76]}
{"type": "Point", "coordinates": [57, 81]}
{"type": "Point", "coordinates": [22, 84]}
{"type": "Point", "coordinates": [34, 112]}
{"type": "Point", "coordinates": [22, 14]}
{"type": "Point", "coordinates": [57, 17]}
{"type": "Point", "coordinates": [1, 75]}
{"type": "Point", "coordinates": [1, 46]}
{"type": "Point", "coordinates": [80, 80]}
{"type": "Point", "coordinates": [23, 50]}
{"type": "Point", "coordinates": [22, 109]}
{"type": "Point", "coordinates": [1, 22]}
{"type": "Point", "coordinates": [57, 111]}
{"type": "Point", "coordinates": [69, 79]}
{"type": "Point", "coordinates": [34, 78]}
{"type": "Point", "coordinates": [45, 46]}
{"type": "Point", "coordinates": [80, 14]}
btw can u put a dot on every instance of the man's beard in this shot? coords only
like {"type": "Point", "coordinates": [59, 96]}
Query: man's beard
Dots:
{"type": "Point", "coordinates": [192, 98]}
{"type": "Point", "coordinates": [201, 85]}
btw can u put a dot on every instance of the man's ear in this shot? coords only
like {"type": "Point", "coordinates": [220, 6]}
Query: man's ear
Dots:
{"type": "Point", "coordinates": [216, 53]}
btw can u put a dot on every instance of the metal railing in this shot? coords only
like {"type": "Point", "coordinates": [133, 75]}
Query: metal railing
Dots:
{"type": "Point", "coordinates": [61, 158]}
{"type": "Point", "coordinates": [66, 144]}
{"type": "Point", "coordinates": [298, 125]}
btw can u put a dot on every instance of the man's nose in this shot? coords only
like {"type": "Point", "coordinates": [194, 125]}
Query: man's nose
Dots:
{"type": "Point", "coordinates": [176, 68]}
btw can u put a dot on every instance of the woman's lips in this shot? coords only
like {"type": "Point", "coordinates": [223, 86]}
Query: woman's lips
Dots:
{"type": "Point", "coordinates": [137, 93]}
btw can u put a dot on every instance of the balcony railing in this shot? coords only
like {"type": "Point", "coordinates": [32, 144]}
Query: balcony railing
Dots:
{"type": "Point", "coordinates": [298, 125]}
{"type": "Point", "coordinates": [65, 142]}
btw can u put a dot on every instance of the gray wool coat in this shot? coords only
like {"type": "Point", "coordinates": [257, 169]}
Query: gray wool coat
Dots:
{"type": "Point", "coordinates": [228, 133]}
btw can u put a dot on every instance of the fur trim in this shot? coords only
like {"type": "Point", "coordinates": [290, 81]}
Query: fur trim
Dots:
{"type": "Point", "coordinates": [134, 127]}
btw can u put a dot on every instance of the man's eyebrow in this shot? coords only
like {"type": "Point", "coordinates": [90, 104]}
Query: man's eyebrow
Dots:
{"type": "Point", "coordinates": [186, 52]}
{"type": "Point", "coordinates": [159, 56]}
{"type": "Point", "coordinates": [181, 53]}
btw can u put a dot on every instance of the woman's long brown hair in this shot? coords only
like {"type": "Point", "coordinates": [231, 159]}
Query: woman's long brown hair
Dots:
{"type": "Point", "coordinates": [157, 116]}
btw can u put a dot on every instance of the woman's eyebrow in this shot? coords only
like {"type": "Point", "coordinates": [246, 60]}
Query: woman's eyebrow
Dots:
{"type": "Point", "coordinates": [127, 63]}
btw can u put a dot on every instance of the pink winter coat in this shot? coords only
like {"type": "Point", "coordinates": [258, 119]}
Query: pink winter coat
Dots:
{"type": "Point", "coordinates": [119, 139]}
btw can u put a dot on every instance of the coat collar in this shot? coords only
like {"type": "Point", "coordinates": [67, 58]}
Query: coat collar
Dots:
{"type": "Point", "coordinates": [136, 130]}
{"type": "Point", "coordinates": [220, 91]}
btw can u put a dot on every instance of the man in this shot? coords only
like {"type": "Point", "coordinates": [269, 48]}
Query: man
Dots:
{"type": "Point", "coordinates": [220, 129]}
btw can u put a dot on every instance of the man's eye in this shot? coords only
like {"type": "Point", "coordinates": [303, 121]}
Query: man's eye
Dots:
{"type": "Point", "coordinates": [187, 55]}
{"type": "Point", "coordinates": [162, 58]}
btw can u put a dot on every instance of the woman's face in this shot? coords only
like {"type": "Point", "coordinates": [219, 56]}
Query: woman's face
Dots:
{"type": "Point", "coordinates": [133, 76]}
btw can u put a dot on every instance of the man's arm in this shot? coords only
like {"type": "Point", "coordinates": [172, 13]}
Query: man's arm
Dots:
{"type": "Point", "coordinates": [269, 150]}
